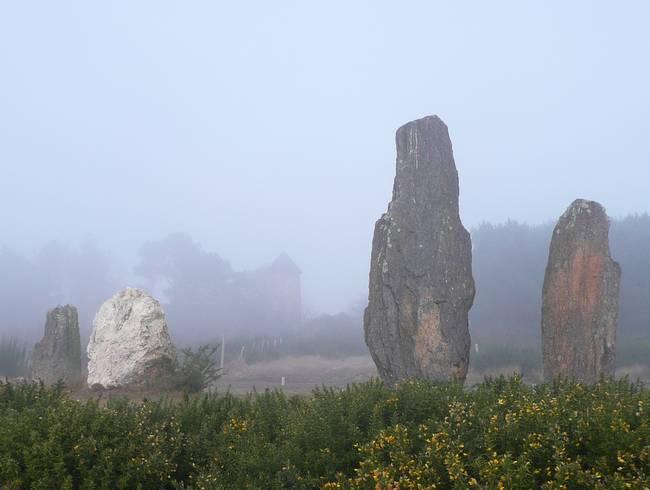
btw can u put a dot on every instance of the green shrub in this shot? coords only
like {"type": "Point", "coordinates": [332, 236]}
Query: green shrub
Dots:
{"type": "Point", "coordinates": [500, 434]}
{"type": "Point", "coordinates": [197, 370]}
{"type": "Point", "coordinates": [13, 358]}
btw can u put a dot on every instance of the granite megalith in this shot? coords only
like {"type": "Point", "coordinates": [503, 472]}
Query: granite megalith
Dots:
{"type": "Point", "coordinates": [130, 345]}
{"type": "Point", "coordinates": [57, 357]}
{"type": "Point", "coordinates": [421, 285]}
{"type": "Point", "coordinates": [580, 297]}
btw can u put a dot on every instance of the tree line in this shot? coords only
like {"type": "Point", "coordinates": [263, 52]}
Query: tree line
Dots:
{"type": "Point", "coordinates": [204, 296]}
{"type": "Point", "coordinates": [509, 261]}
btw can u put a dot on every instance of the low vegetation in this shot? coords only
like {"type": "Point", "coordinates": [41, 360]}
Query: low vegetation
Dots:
{"type": "Point", "coordinates": [631, 352]}
{"type": "Point", "coordinates": [500, 434]}
{"type": "Point", "coordinates": [13, 358]}
{"type": "Point", "coordinates": [197, 369]}
{"type": "Point", "coordinates": [494, 356]}
{"type": "Point", "coordinates": [330, 336]}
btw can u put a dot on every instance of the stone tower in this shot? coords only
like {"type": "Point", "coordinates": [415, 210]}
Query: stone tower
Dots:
{"type": "Point", "coordinates": [281, 284]}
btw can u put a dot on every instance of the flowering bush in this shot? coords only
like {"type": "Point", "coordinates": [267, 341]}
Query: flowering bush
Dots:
{"type": "Point", "coordinates": [499, 434]}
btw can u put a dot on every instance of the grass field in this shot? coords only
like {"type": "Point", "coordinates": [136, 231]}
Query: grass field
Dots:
{"type": "Point", "coordinates": [303, 373]}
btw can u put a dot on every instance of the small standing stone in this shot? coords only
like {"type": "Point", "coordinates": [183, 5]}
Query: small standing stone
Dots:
{"type": "Point", "coordinates": [58, 355]}
{"type": "Point", "coordinates": [580, 297]}
{"type": "Point", "coordinates": [421, 284]}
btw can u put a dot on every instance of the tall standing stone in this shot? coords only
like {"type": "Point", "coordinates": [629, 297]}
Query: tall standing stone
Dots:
{"type": "Point", "coordinates": [58, 355]}
{"type": "Point", "coordinates": [130, 344]}
{"type": "Point", "coordinates": [421, 284]}
{"type": "Point", "coordinates": [580, 297]}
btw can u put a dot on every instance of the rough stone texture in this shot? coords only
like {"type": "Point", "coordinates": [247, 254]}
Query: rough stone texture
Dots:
{"type": "Point", "coordinates": [130, 344]}
{"type": "Point", "coordinates": [580, 297]}
{"type": "Point", "coordinates": [58, 355]}
{"type": "Point", "coordinates": [421, 285]}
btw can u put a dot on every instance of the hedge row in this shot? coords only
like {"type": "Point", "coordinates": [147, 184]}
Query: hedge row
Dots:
{"type": "Point", "coordinates": [499, 434]}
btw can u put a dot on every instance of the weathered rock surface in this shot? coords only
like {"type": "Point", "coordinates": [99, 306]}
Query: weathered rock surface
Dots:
{"type": "Point", "coordinates": [421, 284]}
{"type": "Point", "coordinates": [130, 344]}
{"type": "Point", "coordinates": [580, 297]}
{"type": "Point", "coordinates": [58, 355]}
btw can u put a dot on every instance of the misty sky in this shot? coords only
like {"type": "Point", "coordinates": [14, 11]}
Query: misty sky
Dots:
{"type": "Point", "coordinates": [262, 127]}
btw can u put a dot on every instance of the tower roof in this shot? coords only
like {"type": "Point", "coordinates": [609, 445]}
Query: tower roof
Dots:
{"type": "Point", "coordinates": [284, 263]}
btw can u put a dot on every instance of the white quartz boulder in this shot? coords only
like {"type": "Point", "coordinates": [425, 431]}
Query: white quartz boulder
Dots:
{"type": "Point", "coordinates": [130, 344]}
